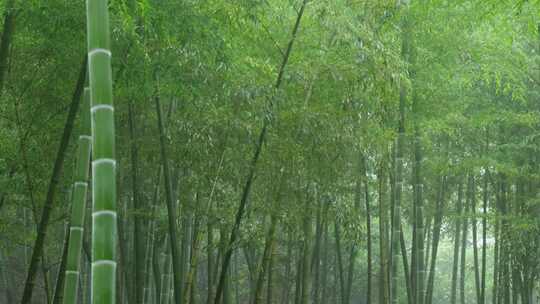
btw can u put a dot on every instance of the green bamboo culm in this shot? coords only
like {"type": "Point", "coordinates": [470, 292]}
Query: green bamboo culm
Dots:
{"type": "Point", "coordinates": [103, 289]}
{"type": "Point", "coordinates": [78, 200]}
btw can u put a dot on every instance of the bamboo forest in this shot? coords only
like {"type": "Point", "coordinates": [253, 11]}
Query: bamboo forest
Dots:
{"type": "Point", "coordinates": [270, 151]}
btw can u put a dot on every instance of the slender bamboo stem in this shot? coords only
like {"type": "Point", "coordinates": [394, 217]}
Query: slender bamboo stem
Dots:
{"type": "Point", "coordinates": [247, 187]}
{"type": "Point", "coordinates": [171, 207]}
{"type": "Point", "coordinates": [51, 192]}
{"type": "Point", "coordinates": [78, 204]}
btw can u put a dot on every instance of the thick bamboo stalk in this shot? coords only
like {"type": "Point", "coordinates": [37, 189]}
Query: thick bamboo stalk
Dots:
{"type": "Point", "coordinates": [104, 216]}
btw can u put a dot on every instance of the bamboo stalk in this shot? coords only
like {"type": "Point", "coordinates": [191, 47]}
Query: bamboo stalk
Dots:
{"type": "Point", "coordinates": [104, 216]}
{"type": "Point", "coordinates": [78, 208]}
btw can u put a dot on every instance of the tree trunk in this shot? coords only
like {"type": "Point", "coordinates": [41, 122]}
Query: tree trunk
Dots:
{"type": "Point", "coordinates": [315, 263]}
{"type": "Point", "coordinates": [186, 242]}
{"type": "Point", "coordinates": [157, 271]}
{"type": "Point", "coordinates": [475, 237]}
{"type": "Point", "coordinates": [384, 288]}
{"type": "Point", "coordinates": [428, 232]}
{"type": "Point", "coordinates": [464, 230]}
{"type": "Point", "coordinates": [306, 261]}
{"type": "Point", "coordinates": [350, 275]}
{"type": "Point", "coordinates": [324, 263]}
{"type": "Point", "coordinates": [496, 259]}
{"type": "Point", "coordinates": [406, 271]}
{"type": "Point", "coordinates": [60, 278]}
{"type": "Point", "coordinates": [354, 250]}
{"type": "Point", "coordinates": [166, 276]}
{"type": "Point", "coordinates": [3, 195]}
{"type": "Point", "coordinates": [151, 232]}
{"type": "Point", "coordinates": [396, 220]}
{"type": "Point", "coordinates": [339, 262]}
{"type": "Point", "coordinates": [138, 239]}
{"type": "Point", "coordinates": [270, 286]}
{"type": "Point", "coordinates": [123, 287]}
{"type": "Point", "coordinates": [505, 260]}
{"type": "Point", "coordinates": [436, 236]}
{"type": "Point", "coordinates": [286, 286]}
{"type": "Point", "coordinates": [484, 227]}
{"type": "Point", "coordinates": [266, 258]}
{"type": "Point", "coordinates": [457, 237]}
{"type": "Point", "coordinates": [210, 260]}
{"type": "Point", "coordinates": [298, 281]}
{"type": "Point", "coordinates": [368, 229]}
{"type": "Point", "coordinates": [265, 262]}
{"type": "Point", "coordinates": [191, 275]}
{"type": "Point", "coordinates": [419, 210]}
{"type": "Point", "coordinates": [8, 291]}
{"type": "Point", "coordinates": [171, 208]}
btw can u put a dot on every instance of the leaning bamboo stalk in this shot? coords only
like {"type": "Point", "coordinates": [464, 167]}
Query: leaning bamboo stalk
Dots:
{"type": "Point", "coordinates": [48, 205]}
{"type": "Point", "coordinates": [80, 186]}
{"type": "Point", "coordinates": [252, 167]}
{"type": "Point", "coordinates": [104, 216]}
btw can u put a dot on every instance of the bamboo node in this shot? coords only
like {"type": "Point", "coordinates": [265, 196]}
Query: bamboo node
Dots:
{"type": "Point", "coordinates": [102, 107]}
{"type": "Point", "coordinates": [99, 51]}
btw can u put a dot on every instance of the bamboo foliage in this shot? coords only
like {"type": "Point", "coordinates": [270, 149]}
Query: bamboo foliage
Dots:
{"type": "Point", "coordinates": [104, 163]}
{"type": "Point", "coordinates": [408, 89]}
{"type": "Point", "coordinates": [80, 186]}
